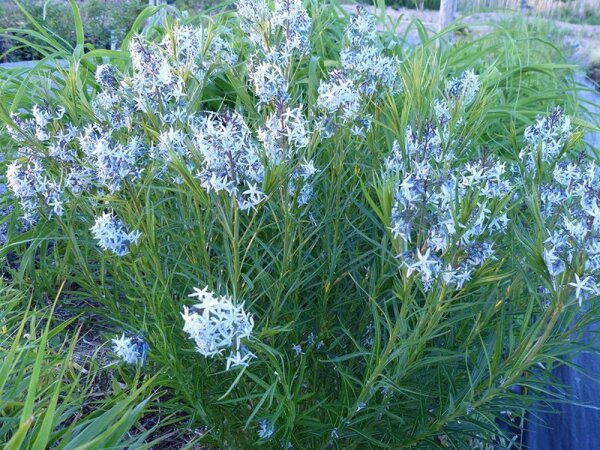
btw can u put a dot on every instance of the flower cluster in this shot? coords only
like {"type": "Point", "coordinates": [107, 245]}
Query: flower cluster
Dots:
{"type": "Point", "coordinates": [162, 73]}
{"type": "Point", "coordinates": [446, 213]}
{"type": "Point", "coordinates": [432, 140]}
{"type": "Point", "coordinates": [111, 152]}
{"type": "Point", "coordinates": [291, 18]}
{"type": "Point", "coordinates": [111, 235]}
{"type": "Point", "coordinates": [461, 211]}
{"type": "Point", "coordinates": [112, 162]}
{"type": "Point", "coordinates": [463, 89]}
{"type": "Point", "coordinates": [95, 155]}
{"type": "Point", "coordinates": [301, 181]}
{"type": "Point", "coordinates": [460, 92]}
{"type": "Point", "coordinates": [30, 185]}
{"type": "Point", "coordinates": [230, 158]}
{"type": "Point", "coordinates": [371, 72]}
{"type": "Point", "coordinates": [106, 76]}
{"type": "Point", "coordinates": [26, 177]}
{"type": "Point", "coordinates": [284, 132]}
{"type": "Point", "coordinates": [132, 350]}
{"type": "Point", "coordinates": [280, 36]}
{"type": "Point", "coordinates": [570, 205]}
{"type": "Point", "coordinates": [161, 69]}
{"type": "Point", "coordinates": [280, 32]}
{"type": "Point", "coordinates": [266, 429]}
{"type": "Point", "coordinates": [339, 94]}
{"type": "Point", "coordinates": [269, 82]}
{"type": "Point", "coordinates": [216, 324]}
{"type": "Point", "coordinates": [39, 127]}
{"type": "Point", "coordinates": [366, 73]}
{"type": "Point", "coordinates": [545, 139]}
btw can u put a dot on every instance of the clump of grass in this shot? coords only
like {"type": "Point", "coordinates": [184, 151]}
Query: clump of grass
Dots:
{"type": "Point", "coordinates": [47, 399]}
{"type": "Point", "coordinates": [385, 239]}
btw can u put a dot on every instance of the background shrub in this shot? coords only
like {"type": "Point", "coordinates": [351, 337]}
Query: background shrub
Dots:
{"type": "Point", "coordinates": [105, 23]}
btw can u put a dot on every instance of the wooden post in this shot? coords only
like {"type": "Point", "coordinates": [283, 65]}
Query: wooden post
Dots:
{"type": "Point", "coordinates": [447, 12]}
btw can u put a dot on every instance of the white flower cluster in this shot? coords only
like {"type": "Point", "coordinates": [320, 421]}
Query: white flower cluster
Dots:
{"type": "Point", "coordinates": [60, 146]}
{"type": "Point", "coordinates": [460, 209]}
{"type": "Point", "coordinates": [370, 70]}
{"type": "Point", "coordinates": [230, 158]}
{"type": "Point", "coordinates": [300, 180]}
{"type": "Point", "coordinates": [38, 127]}
{"type": "Point", "coordinates": [30, 185]}
{"type": "Point", "coordinates": [161, 69]}
{"type": "Point", "coordinates": [279, 33]}
{"type": "Point", "coordinates": [339, 94]}
{"type": "Point", "coordinates": [111, 152]}
{"type": "Point", "coordinates": [132, 350]}
{"type": "Point", "coordinates": [171, 140]}
{"type": "Point", "coordinates": [216, 324]}
{"type": "Point", "coordinates": [96, 156]}
{"type": "Point", "coordinates": [266, 429]}
{"type": "Point", "coordinates": [570, 205]}
{"type": "Point", "coordinates": [69, 160]}
{"type": "Point", "coordinates": [433, 139]}
{"type": "Point", "coordinates": [111, 235]}
{"type": "Point", "coordinates": [291, 18]}
{"type": "Point", "coordinates": [365, 73]}
{"type": "Point", "coordinates": [111, 162]}
{"type": "Point", "coordinates": [106, 76]}
{"type": "Point", "coordinates": [27, 177]}
{"type": "Point", "coordinates": [284, 132]}
{"type": "Point", "coordinates": [449, 213]}
{"type": "Point", "coordinates": [269, 81]}
{"type": "Point", "coordinates": [115, 104]}
{"type": "Point", "coordinates": [463, 89]}
{"type": "Point", "coordinates": [460, 92]}
{"type": "Point", "coordinates": [196, 50]}
{"type": "Point", "coordinates": [546, 139]}
{"type": "Point", "coordinates": [280, 36]}
{"type": "Point", "coordinates": [162, 75]}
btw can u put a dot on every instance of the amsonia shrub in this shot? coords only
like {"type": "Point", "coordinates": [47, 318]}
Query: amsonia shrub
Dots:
{"type": "Point", "coordinates": [313, 233]}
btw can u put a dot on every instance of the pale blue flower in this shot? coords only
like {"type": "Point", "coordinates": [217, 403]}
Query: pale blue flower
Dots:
{"type": "Point", "coordinates": [132, 350]}
{"type": "Point", "coordinates": [111, 235]}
